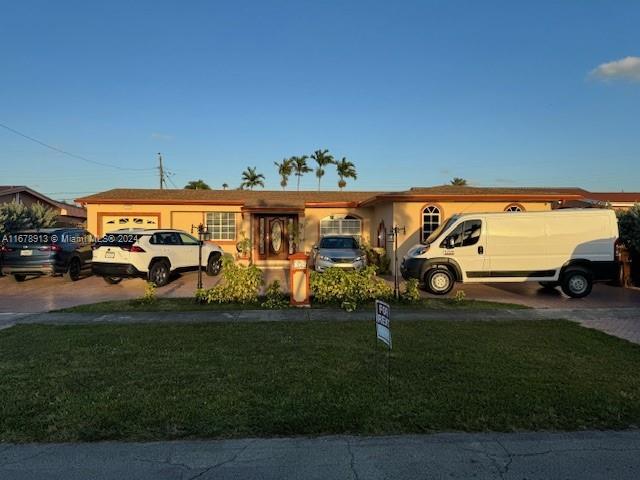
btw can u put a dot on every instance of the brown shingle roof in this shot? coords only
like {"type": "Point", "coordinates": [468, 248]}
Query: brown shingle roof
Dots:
{"type": "Point", "coordinates": [294, 199]}
{"type": "Point", "coordinates": [250, 198]}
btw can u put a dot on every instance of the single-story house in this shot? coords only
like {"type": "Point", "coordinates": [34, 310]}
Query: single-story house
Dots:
{"type": "Point", "coordinates": [279, 223]}
{"type": "Point", "coordinates": [68, 215]}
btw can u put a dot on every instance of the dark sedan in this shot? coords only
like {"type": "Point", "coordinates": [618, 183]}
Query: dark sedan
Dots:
{"type": "Point", "coordinates": [50, 251]}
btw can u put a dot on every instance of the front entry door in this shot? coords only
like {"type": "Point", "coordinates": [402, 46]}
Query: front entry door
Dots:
{"type": "Point", "coordinates": [274, 235]}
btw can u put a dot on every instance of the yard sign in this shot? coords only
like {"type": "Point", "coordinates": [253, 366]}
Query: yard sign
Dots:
{"type": "Point", "coordinates": [383, 326]}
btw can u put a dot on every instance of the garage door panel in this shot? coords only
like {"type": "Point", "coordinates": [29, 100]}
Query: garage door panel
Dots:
{"type": "Point", "coordinates": [118, 221]}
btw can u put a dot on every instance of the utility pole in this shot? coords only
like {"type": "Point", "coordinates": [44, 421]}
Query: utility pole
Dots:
{"type": "Point", "coordinates": [161, 171]}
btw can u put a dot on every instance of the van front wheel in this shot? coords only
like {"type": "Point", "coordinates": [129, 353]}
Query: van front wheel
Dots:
{"type": "Point", "coordinates": [439, 281]}
{"type": "Point", "coordinates": [577, 282]}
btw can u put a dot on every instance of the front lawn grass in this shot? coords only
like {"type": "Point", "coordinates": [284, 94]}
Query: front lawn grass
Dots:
{"type": "Point", "coordinates": [189, 304]}
{"type": "Point", "coordinates": [158, 382]}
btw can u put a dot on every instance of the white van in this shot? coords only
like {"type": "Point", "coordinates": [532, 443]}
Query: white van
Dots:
{"type": "Point", "coordinates": [571, 248]}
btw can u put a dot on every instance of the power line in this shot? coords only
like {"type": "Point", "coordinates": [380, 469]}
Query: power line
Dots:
{"type": "Point", "coordinates": [59, 150]}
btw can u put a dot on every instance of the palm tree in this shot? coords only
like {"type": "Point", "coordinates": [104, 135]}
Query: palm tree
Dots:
{"type": "Point", "coordinates": [461, 182]}
{"type": "Point", "coordinates": [284, 170]}
{"type": "Point", "coordinates": [197, 185]}
{"type": "Point", "coordinates": [225, 186]}
{"type": "Point", "coordinates": [300, 167]}
{"type": "Point", "coordinates": [252, 179]}
{"type": "Point", "coordinates": [322, 158]}
{"type": "Point", "coordinates": [346, 169]}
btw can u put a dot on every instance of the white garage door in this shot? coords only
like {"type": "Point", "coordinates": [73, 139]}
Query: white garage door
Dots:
{"type": "Point", "coordinates": [116, 222]}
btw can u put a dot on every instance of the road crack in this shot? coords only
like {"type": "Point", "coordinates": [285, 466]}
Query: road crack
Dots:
{"type": "Point", "coordinates": [352, 461]}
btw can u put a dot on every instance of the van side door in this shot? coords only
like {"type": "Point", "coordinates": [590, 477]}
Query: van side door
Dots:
{"type": "Point", "coordinates": [466, 244]}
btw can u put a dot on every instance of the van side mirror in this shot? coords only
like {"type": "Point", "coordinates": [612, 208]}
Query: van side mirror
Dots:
{"type": "Point", "coordinates": [450, 242]}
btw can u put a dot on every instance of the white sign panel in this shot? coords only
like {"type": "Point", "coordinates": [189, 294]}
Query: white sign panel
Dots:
{"type": "Point", "coordinates": [383, 326]}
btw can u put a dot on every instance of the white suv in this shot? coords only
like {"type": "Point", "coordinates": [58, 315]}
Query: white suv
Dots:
{"type": "Point", "coordinates": [151, 254]}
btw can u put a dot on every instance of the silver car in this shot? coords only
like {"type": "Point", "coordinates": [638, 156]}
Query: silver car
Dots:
{"type": "Point", "coordinates": [338, 251]}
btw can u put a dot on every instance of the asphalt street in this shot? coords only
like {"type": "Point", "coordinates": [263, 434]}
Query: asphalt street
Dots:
{"type": "Point", "coordinates": [582, 455]}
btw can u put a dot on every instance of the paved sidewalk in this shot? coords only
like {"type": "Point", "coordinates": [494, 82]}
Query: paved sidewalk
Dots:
{"type": "Point", "coordinates": [620, 322]}
{"type": "Point", "coordinates": [593, 455]}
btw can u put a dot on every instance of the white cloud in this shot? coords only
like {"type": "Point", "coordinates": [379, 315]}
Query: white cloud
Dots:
{"type": "Point", "coordinates": [627, 68]}
{"type": "Point", "coordinates": [161, 136]}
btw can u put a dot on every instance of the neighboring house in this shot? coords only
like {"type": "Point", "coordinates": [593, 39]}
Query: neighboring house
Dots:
{"type": "Point", "coordinates": [68, 215]}
{"type": "Point", "coordinates": [278, 223]}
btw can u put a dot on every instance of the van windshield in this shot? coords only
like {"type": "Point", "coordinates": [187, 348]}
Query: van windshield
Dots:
{"type": "Point", "coordinates": [436, 233]}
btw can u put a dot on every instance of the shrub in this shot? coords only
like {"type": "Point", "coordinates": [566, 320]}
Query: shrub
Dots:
{"type": "Point", "coordinates": [349, 288]}
{"type": "Point", "coordinates": [274, 296]}
{"type": "Point", "coordinates": [460, 296]}
{"type": "Point", "coordinates": [149, 295]}
{"type": "Point", "coordinates": [16, 216]}
{"type": "Point", "coordinates": [629, 223]}
{"type": "Point", "coordinates": [411, 292]}
{"type": "Point", "coordinates": [377, 257]}
{"type": "Point", "coordinates": [239, 284]}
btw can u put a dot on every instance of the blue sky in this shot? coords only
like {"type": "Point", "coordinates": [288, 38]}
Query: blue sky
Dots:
{"type": "Point", "coordinates": [413, 92]}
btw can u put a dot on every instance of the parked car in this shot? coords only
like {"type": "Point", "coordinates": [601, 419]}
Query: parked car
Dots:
{"type": "Point", "coordinates": [152, 254]}
{"type": "Point", "coordinates": [49, 251]}
{"type": "Point", "coordinates": [339, 251]}
{"type": "Point", "coordinates": [569, 248]}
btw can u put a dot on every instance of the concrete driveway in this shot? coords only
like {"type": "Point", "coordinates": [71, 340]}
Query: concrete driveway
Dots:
{"type": "Point", "coordinates": [51, 293]}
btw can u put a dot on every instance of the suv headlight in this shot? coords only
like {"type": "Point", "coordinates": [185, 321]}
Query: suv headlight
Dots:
{"type": "Point", "coordinates": [359, 259]}
{"type": "Point", "coordinates": [421, 250]}
{"type": "Point", "coordinates": [325, 258]}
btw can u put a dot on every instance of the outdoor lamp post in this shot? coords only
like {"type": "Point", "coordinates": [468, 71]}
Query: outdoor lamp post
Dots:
{"type": "Point", "coordinates": [202, 232]}
{"type": "Point", "coordinates": [394, 236]}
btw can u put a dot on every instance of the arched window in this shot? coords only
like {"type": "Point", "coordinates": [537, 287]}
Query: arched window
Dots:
{"type": "Point", "coordinates": [431, 217]}
{"type": "Point", "coordinates": [341, 225]}
{"type": "Point", "coordinates": [514, 207]}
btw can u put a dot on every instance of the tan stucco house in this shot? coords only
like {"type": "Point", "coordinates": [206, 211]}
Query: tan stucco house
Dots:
{"type": "Point", "coordinates": [279, 223]}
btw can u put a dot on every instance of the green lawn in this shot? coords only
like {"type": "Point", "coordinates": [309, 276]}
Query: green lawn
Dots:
{"type": "Point", "coordinates": [153, 382]}
{"type": "Point", "coordinates": [183, 304]}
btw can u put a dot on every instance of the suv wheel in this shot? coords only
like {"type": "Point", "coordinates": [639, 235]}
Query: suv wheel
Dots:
{"type": "Point", "coordinates": [577, 282]}
{"type": "Point", "coordinates": [214, 264]}
{"type": "Point", "coordinates": [20, 277]}
{"type": "Point", "coordinates": [75, 268]}
{"type": "Point", "coordinates": [112, 280]}
{"type": "Point", "coordinates": [159, 273]}
{"type": "Point", "coordinates": [439, 281]}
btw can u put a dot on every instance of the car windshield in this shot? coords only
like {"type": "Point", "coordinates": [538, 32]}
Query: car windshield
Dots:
{"type": "Point", "coordinates": [339, 242]}
{"type": "Point", "coordinates": [436, 233]}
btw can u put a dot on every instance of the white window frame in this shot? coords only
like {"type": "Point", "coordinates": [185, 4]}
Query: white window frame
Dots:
{"type": "Point", "coordinates": [224, 228]}
{"type": "Point", "coordinates": [431, 219]}
{"type": "Point", "coordinates": [341, 225]}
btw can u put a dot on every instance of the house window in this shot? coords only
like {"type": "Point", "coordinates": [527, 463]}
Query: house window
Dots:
{"type": "Point", "coordinates": [430, 220]}
{"type": "Point", "coordinates": [514, 207]}
{"type": "Point", "coordinates": [221, 225]}
{"type": "Point", "coordinates": [341, 225]}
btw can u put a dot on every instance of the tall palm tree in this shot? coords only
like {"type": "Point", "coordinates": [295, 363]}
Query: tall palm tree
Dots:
{"type": "Point", "coordinates": [322, 158]}
{"type": "Point", "coordinates": [300, 167]}
{"type": "Point", "coordinates": [285, 168]}
{"type": "Point", "coordinates": [461, 182]}
{"type": "Point", "coordinates": [251, 179]}
{"type": "Point", "coordinates": [197, 185]}
{"type": "Point", "coordinates": [345, 169]}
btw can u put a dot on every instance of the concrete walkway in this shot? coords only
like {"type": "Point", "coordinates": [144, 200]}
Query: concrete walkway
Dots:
{"type": "Point", "coordinates": [593, 455]}
{"type": "Point", "coordinates": [620, 322]}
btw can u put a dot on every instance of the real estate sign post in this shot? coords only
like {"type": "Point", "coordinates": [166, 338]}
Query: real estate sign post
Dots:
{"type": "Point", "coordinates": [383, 333]}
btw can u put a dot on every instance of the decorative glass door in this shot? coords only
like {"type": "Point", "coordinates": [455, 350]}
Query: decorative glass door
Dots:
{"type": "Point", "coordinates": [274, 236]}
